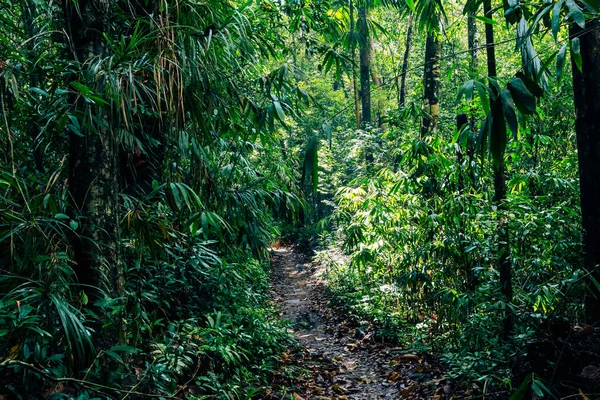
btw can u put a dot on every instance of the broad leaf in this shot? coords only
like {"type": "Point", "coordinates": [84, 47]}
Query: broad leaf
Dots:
{"type": "Point", "coordinates": [524, 100]}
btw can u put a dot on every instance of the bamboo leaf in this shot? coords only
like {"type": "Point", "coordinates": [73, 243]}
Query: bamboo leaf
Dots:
{"type": "Point", "coordinates": [560, 61]}
{"type": "Point", "coordinates": [524, 100]}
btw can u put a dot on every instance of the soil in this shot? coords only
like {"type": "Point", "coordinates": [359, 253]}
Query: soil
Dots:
{"type": "Point", "coordinates": [344, 361]}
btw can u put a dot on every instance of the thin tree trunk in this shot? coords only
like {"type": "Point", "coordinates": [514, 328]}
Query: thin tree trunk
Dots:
{"type": "Point", "coordinates": [431, 83]}
{"type": "Point", "coordinates": [375, 78]}
{"type": "Point", "coordinates": [586, 91]}
{"type": "Point", "coordinates": [365, 62]}
{"type": "Point", "coordinates": [93, 179]}
{"type": "Point", "coordinates": [356, 100]}
{"type": "Point", "coordinates": [353, 55]}
{"type": "Point", "coordinates": [489, 41]}
{"type": "Point", "coordinates": [473, 44]}
{"type": "Point", "coordinates": [472, 41]}
{"type": "Point", "coordinates": [28, 14]}
{"type": "Point", "coordinates": [409, 38]}
{"type": "Point", "coordinates": [499, 187]}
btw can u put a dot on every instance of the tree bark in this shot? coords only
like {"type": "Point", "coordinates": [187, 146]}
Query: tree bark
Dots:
{"type": "Point", "coordinates": [365, 62]}
{"type": "Point", "coordinates": [93, 182]}
{"type": "Point", "coordinates": [499, 188]}
{"type": "Point", "coordinates": [402, 87]}
{"type": "Point", "coordinates": [472, 41]}
{"type": "Point", "coordinates": [28, 15]}
{"type": "Point", "coordinates": [473, 50]}
{"type": "Point", "coordinates": [353, 55]}
{"type": "Point", "coordinates": [431, 83]}
{"type": "Point", "coordinates": [586, 90]}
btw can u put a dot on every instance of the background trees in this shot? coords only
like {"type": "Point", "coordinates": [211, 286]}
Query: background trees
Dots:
{"type": "Point", "coordinates": [152, 151]}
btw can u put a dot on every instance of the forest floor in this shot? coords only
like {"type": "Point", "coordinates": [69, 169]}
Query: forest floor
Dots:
{"type": "Point", "coordinates": [340, 359]}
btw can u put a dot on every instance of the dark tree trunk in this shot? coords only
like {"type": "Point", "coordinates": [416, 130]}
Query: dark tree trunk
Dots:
{"type": "Point", "coordinates": [473, 44]}
{"type": "Point", "coordinates": [499, 187]}
{"type": "Point", "coordinates": [353, 55]}
{"type": "Point", "coordinates": [93, 182]}
{"type": "Point", "coordinates": [489, 41]}
{"type": "Point", "coordinates": [402, 86]}
{"type": "Point", "coordinates": [586, 91]}
{"type": "Point", "coordinates": [365, 63]}
{"type": "Point", "coordinates": [431, 83]}
{"type": "Point", "coordinates": [28, 15]}
{"type": "Point", "coordinates": [472, 41]}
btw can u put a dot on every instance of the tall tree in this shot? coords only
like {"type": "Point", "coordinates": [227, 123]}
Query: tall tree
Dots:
{"type": "Point", "coordinates": [431, 14]}
{"type": "Point", "coordinates": [404, 70]}
{"type": "Point", "coordinates": [365, 55]}
{"type": "Point", "coordinates": [352, 43]}
{"type": "Point", "coordinates": [431, 84]}
{"type": "Point", "coordinates": [28, 16]}
{"type": "Point", "coordinates": [586, 91]}
{"type": "Point", "coordinates": [472, 40]}
{"type": "Point", "coordinates": [93, 181]}
{"type": "Point", "coordinates": [499, 175]}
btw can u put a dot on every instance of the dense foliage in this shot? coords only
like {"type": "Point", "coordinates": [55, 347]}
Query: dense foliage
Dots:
{"type": "Point", "coordinates": [152, 150]}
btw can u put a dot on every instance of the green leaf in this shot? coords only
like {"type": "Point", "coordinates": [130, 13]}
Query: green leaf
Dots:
{"type": "Point", "coordinates": [466, 90]}
{"type": "Point", "coordinates": [126, 349]}
{"type": "Point", "coordinates": [279, 109]}
{"type": "Point", "coordinates": [311, 162]}
{"type": "Point", "coordinates": [508, 109]}
{"type": "Point", "coordinates": [485, 20]}
{"type": "Point", "coordinates": [83, 297]}
{"type": "Point", "coordinates": [536, 389]}
{"type": "Point", "coordinates": [524, 100]}
{"type": "Point", "coordinates": [531, 85]}
{"type": "Point", "coordinates": [556, 18]}
{"type": "Point", "coordinates": [411, 5]}
{"type": "Point", "coordinates": [576, 52]}
{"type": "Point", "coordinates": [39, 91]}
{"type": "Point", "coordinates": [576, 13]}
{"type": "Point", "coordinates": [483, 91]}
{"type": "Point", "coordinates": [61, 216]}
{"type": "Point", "coordinates": [560, 61]}
{"type": "Point", "coordinates": [484, 133]}
{"type": "Point", "coordinates": [327, 130]}
{"type": "Point", "coordinates": [74, 126]}
{"type": "Point", "coordinates": [540, 384]}
{"type": "Point", "coordinates": [204, 220]}
{"type": "Point", "coordinates": [176, 196]}
{"type": "Point", "coordinates": [74, 224]}
{"type": "Point", "coordinates": [521, 392]}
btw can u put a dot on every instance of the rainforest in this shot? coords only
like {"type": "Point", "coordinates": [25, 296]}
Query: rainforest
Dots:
{"type": "Point", "coordinates": [299, 199]}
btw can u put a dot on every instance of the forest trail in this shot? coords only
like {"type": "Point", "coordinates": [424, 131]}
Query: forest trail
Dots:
{"type": "Point", "coordinates": [344, 363]}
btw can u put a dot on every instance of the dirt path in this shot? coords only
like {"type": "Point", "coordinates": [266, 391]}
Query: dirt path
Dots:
{"type": "Point", "coordinates": [345, 363]}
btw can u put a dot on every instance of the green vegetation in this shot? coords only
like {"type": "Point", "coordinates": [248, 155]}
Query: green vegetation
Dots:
{"type": "Point", "coordinates": [151, 151]}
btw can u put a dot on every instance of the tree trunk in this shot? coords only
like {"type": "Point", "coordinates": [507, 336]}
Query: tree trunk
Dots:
{"type": "Point", "coordinates": [586, 90]}
{"type": "Point", "coordinates": [431, 83]}
{"type": "Point", "coordinates": [365, 63]}
{"type": "Point", "coordinates": [499, 188]}
{"type": "Point", "coordinates": [353, 55]}
{"type": "Point", "coordinates": [402, 87]}
{"type": "Point", "coordinates": [93, 179]}
{"type": "Point", "coordinates": [472, 41]}
{"type": "Point", "coordinates": [473, 50]}
{"type": "Point", "coordinates": [489, 42]}
{"type": "Point", "coordinates": [28, 15]}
